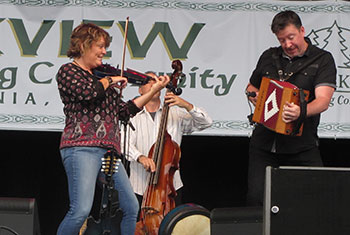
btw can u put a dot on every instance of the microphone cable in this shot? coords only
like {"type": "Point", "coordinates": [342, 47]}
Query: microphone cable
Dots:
{"type": "Point", "coordinates": [250, 116]}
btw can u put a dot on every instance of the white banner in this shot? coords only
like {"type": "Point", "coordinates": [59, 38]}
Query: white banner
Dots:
{"type": "Point", "coordinates": [218, 43]}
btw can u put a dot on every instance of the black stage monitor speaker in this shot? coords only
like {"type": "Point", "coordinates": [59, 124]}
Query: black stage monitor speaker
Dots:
{"type": "Point", "coordinates": [236, 221]}
{"type": "Point", "coordinates": [307, 201]}
{"type": "Point", "coordinates": [18, 216]}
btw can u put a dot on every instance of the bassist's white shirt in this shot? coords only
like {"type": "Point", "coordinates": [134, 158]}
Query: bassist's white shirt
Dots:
{"type": "Point", "coordinates": [145, 135]}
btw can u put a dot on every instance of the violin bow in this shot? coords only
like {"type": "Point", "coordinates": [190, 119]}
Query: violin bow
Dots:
{"type": "Point", "coordinates": [124, 46]}
{"type": "Point", "coordinates": [121, 74]}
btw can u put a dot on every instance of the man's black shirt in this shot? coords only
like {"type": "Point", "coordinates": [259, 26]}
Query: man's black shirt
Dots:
{"type": "Point", "coordinates": [321, 72]}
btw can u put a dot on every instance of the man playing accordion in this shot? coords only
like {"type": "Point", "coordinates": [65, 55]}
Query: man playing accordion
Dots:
{"type": "Point", "coordinates": [307, 67]}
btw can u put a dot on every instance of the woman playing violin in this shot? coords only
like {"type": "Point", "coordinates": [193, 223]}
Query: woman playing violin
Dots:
{"type": "Point", "coordinates": [92, 107]}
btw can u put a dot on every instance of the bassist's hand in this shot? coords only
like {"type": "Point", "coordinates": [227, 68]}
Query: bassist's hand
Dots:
{"type": "Point", "coordinates": [147, 163]}
{"type": "Point", "coordinates": [172, 99]}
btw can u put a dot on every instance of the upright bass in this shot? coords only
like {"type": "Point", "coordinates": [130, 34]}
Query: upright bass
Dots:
{"type": "Point", "coordinates": [159, 197]}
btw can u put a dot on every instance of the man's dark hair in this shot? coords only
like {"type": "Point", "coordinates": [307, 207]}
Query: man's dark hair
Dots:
{"type": "Point", "coordinates": [150, 71]}
{"type": "Point", "coordinates": [283, 19]}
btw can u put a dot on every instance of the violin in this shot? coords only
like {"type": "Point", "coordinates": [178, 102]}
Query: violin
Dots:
{"type": "Point", "coordinates": [133, 76]}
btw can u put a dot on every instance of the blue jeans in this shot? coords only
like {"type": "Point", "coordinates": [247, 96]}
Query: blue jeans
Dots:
{"type": "Point", "coordinates": [82, 165]}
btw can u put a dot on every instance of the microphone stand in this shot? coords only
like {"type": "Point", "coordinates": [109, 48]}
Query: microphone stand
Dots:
{"type": "Point", "coordinates": [125, 124]}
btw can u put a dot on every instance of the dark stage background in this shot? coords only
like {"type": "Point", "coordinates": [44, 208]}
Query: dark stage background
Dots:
{"type": "Point", "coordinates": [214, 170]}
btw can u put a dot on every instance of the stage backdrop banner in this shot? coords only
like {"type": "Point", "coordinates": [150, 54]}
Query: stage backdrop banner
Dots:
{"type": "Point", "coordinates": [218, 43]}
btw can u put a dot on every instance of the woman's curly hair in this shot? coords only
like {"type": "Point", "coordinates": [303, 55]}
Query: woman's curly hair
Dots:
{"type": "Point", "coordinates": [82, 38]}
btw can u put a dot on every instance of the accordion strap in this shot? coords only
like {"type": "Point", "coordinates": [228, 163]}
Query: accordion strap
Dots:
{"type": "Point", "coordinates": [276, 57]}
{"type": "Point", "coordinates": [302, 116]}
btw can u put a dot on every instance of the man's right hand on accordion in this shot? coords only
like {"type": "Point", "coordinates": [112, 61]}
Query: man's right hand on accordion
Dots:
{"type": "Point", "coordinates": [290, 112]}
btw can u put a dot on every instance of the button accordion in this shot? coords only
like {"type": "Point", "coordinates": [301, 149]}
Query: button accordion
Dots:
{"type": "Point", "coordinates": [272, 96]}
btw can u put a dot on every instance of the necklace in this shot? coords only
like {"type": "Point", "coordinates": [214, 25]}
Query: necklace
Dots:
{"type": "Point", "coordinates": [77, 64]}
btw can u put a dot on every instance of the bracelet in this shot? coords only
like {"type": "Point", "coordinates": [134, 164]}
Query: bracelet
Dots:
{"type": "Point", "coordinates": [109, 79]}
